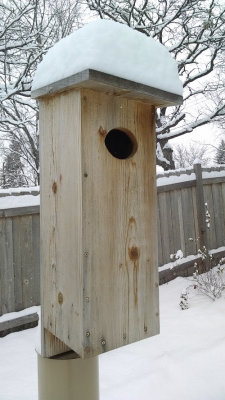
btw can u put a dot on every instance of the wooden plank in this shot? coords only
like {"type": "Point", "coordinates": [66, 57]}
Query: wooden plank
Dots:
{"type": "Point", "coordinates": [164, 227]}
{"type": "Point", "coordinates": [113, 85]}
{"type": "Point", "coordinates": [3, 266]}
{"type": "Point", "coordinates": [184, 269]}
{"type": "Point", "coordinates": [218, 214]}
{"type": "Point", "coordinates": [61, 249]}
{"type": "Point", "coordinates": [27, 262]}
{"type": "Point", "coordinates": [214, 180]}
{"type": "Point", "coordinates": [188, 184]}
{"type": "Point", "coordinates": [160, 254]}
{"type": "Point", "coordinates": [188, 221]}
{"type": "Point", "coordinates": [196, 226]}
{"type": "Point", "coordinates": [20, 211]}
{"type": "Point", "coordinates": [200, 203]}
{"type": "Point", "coordinates": [223, 201]}
{"type": "Point", "coordinates": [18, 324]}
{"type": "Point", "coordinates": [6, 267]}
{"type": "Point", "coordinates": [176, 186]}
{"type": "Point", "coordinates": [172, 226]}
{"type": "Point", "coordinates": [36, 258]}
{"type": "Point", "coordinates": [17, 257]}
{"type": "Point", "coordinates": [187, 268]}
{"type": "Point", "coordinates": [211, 231]}
{"type": "Point", "coordinates": [181, 220]}
{"type": "Point", "coordinates": [175, 221]}
{"type": "Point", "coordinates": [119, 225]}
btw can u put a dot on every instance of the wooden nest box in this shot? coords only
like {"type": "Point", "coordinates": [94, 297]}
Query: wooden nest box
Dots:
{"type": "Point", "coordinates": [99, 269]}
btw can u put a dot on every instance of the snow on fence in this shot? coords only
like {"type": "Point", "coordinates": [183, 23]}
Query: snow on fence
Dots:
{"type": "Point", "coordinates": [191, 214]}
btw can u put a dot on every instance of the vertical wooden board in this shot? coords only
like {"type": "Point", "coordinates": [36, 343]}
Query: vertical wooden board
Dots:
{"type": "Point", "coordinates": [164, 226]}
{"type": "Point", "coordinates": [181, 220]}
{"type": "Point", "coordinates": [218, 214]}
{"type": "Point", "coordinates": [27, 260]}
{"type": "Point", "coordinates": [188, 220]}
{"type": "Point", "coordinates": [7, 297]}
{"type": "Point", "coordinates": [175, 220]}
{"type": "Point", "coordinates": [36, 258]}
{"type": "Point", "coordinates": [2, 264]}
{"type": "Point", "coordinates": [17, 254]}
{"type": "Point", "coordinates": [23, 261]}
{"type": "Point", "coordinates": [196, 225]}
{"type": "Point", "coordinates": [200, 206]}
{"type": "Point", "coordinates": [171, 225]}
{"type": "Point", "coordinates": [223, 202]}
{"type": "Point", "coordinates": [211, 231]}
{"type": "Point", "coordinates": [119, 226]}
{"type": "Point", "coordinates": [60, 229]}
{"type": "Point", "coordinates": [160, 253]}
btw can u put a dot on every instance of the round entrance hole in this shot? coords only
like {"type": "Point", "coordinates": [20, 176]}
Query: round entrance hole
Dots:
{"type": "Point", "coordinates": [121, 143]}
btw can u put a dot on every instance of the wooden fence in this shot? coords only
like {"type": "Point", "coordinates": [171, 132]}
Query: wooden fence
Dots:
{"type": "Point", "coordinates": [182, 225]}
{"type": "Point", "coordinates": [191, 211]}
{"type": "Point", "coordinates": [19, 259]}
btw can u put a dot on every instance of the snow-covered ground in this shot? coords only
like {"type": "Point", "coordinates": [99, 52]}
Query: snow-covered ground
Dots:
{"type": "Point", "coordinates": [186, 361]}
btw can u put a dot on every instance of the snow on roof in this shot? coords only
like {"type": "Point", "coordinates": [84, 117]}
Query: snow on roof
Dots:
{"type": "Point", "coordinates": [112, 48]}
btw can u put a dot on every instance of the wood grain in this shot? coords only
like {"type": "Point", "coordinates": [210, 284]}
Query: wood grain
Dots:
{"type": "Point", "coordinates": [7, 282]}
{"type": "Point", "coordinates": [99, 243]}
{"type": "Point", "coordinates": [61, 224]}
{"type": "Point", "coordinates": [119, 225]}
{"type": "Point", "coordinates": [18, 324]}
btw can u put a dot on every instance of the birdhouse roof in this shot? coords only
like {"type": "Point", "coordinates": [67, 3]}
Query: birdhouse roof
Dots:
{"type": "Point", "coordinates": [110, 56]}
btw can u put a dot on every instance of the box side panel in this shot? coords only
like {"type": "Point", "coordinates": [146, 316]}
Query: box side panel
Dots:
{"type": "Point", "coordinates": [61, 219]}
{"type": "Point", "coordinates": [119, 225]}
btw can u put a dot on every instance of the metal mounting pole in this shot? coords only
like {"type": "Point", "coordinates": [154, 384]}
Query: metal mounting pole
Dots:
{"type": "Point", "coordinates": [74, 379]}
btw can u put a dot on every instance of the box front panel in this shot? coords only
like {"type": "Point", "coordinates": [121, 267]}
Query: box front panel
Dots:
{"type": "Point", "coordinates": [119, 222]}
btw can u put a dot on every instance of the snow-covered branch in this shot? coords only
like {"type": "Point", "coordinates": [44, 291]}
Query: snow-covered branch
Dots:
{"type": "Point", "coordinates": [194, 33]}
{"type": "Point", "coordinates": [194, 124]}
{"type": "Point", "coordinates": [28, 28]}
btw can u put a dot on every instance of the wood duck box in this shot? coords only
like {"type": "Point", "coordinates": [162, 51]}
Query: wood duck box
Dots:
{"type": "Point", "coordinates": [99, 270]}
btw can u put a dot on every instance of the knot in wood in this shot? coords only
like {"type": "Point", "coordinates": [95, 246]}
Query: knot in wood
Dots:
{"type": "Point", "coordinates": [60, 298]}
{"type": "Point", "coordinates": [102, 132]}
{"type": "Point", "coordinates": [54, 187]}
{"type": "Point", "coordinates": [134, 253]}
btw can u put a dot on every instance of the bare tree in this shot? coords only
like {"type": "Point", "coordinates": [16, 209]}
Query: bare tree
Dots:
{"type": "Point", "coordinates": [185, 155]}
{"type": "Point", "coordinates": [194, 33]}
{"type": "Point", "coordinates": [27, 29]}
